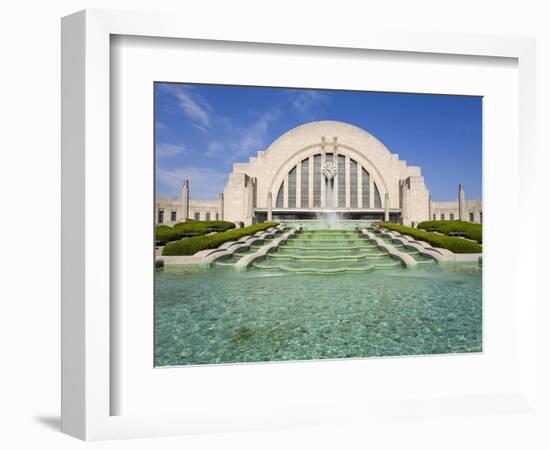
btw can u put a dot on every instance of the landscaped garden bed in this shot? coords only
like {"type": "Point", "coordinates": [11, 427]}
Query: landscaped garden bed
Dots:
{"type": "Point", "coordinates": [180, 230]}
{"type": "Point", "coordinates": [454, 244]}
{"type": "Point", "coordinates": [195, 244]}
{"type": "Point", "coordinates": [458, 227]}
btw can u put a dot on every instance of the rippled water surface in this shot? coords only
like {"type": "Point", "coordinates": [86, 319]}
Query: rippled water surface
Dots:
{"type": "Point", "coordinates": [220, 315]}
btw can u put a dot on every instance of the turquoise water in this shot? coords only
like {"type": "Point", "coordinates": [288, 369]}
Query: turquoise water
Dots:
{"type": "Point", "coordinates": [322, 295]}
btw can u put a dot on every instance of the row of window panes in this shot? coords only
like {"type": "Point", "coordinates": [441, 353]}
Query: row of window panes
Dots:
{"type": "Point", "coordinates": [452, 217]}
{"type": "Point", "coordinates": [173, 216]}
{"type": "Point", "coordinates": [160, 218]}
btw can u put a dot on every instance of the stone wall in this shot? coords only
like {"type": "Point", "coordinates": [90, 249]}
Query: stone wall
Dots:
{"type": "Point", "coordinates": [449, 211]}
{"type": "Point", "coordinates": [206, 210]}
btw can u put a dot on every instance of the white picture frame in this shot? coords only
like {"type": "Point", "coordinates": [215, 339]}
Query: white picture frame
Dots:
{"type": "Point", "coordinates": [87, 386]}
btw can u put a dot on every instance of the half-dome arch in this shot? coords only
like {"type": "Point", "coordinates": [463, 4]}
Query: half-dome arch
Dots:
{"type": "Point", "coordinates": [290, 173]}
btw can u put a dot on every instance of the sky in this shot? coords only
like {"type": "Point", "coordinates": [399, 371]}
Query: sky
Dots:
{"type": "Point", "coordinates": [201, 130]}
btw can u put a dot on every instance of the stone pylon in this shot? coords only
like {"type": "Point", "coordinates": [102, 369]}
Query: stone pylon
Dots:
{"type": "Point", "coordinates": [386, 207]}
{"type": "Point", "coordinates": [185, 200]}
{"type": "Point", "coordinates": [249, 200]}
{"type": "Point", "coordinates": [220, 200]}
{"type": "Point", "coordinates": [461, 203]}
{"type": "Point", "coordinates": [405, 203]}
{"type": "Point", "coordinates": [269, 207]}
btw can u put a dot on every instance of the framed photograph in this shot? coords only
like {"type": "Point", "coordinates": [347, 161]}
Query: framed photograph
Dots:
{"type": "Point", "coordinates": [308, 244]}
{"type": "Point", "coordinates": [263, 231]}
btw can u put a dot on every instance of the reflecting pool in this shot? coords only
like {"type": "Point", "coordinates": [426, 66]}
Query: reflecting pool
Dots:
{"type": "Point", "coordinates": [269, 313]}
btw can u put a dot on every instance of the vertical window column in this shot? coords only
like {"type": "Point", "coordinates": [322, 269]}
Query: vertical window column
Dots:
{"type": "Point", "coordinates": [352, 183]}
{"type": "Point", "coordinates": [285, 193]}
{"type": "Point", "coordinates": [299, 184]}
{"type": "Point", "coordinates": [341, 182]}
{"type": "Point", "coordinates": [366, 189]}
{"type": "Point", "coordinates": [359, 186]}
{"type": "Point", "coordinates": [317, 181]}
{"type": "Point", "coordinates": [325, 157]}
{"type": "Point", "coordinates": [371, 192]}
{"type": "Point", "coordinates": [292, 188]}
{"type": "Point", "coordinates": [279, 202]}
{"type": "Point", "coordinates": [305, 184]}
{"type": "Point", "coordinates": [348, 193]}
{"type": "Point", "coordinates": [377, 199]}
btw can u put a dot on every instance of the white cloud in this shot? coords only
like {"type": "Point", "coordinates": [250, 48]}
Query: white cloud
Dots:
{"type": "Point", "coordinates": [215, 148]}
{"type": "Point", "coordinates": [254, 137]}
{"type": "Point", "coordinates": [204, 183]}
{"type": "Point", "coordinates": [306, 101]}
{"type": "Point", "coordinates": [200, 128]}
{"type": "Point", "coordinates": [194, 106]}
{"type": "Point", "coordinates": [165, 149]}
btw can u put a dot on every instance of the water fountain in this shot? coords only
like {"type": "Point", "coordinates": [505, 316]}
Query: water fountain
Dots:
{"type": "Point", "coordinates": [329, 218]}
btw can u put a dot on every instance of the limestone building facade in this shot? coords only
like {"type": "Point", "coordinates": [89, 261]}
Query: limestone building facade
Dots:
{"type": "Point", "coordinates": [316, 168]}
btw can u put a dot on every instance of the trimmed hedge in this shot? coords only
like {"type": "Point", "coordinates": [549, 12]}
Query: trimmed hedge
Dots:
{"type": "Point", "coordinates": [455, 245]}
{"type": "Point", "coordinates": [195, 244]}
{"type": "Point", "coordinates": [204, 224]}
{"type": "Point", "coordinates": [471, 230]}
{"type": "Point", "coordinates": [166, 234]}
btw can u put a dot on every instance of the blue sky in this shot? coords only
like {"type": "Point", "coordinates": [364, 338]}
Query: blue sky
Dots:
{"type": "Point", "coordinates": [201, 130]}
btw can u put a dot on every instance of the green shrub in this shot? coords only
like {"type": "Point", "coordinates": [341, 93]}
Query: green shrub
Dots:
{"type": "Point", "coordinates": [192, 245]}
{"type": "Point", "coordinates": [454, 244]}
{"type": "Point", "coordinates": [471, 230]}
{"type": "Point", "coordinates": [204, 225]}
{"type": "Point", "coordinates": [166, 234]}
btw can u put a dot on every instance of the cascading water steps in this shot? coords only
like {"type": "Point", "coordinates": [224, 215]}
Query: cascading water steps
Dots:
{"type": "Point", "coordinates": [327, 252]}
{"type": "Point", "coordinates": [238, 255]}
{"type": "Point", "coordinates": [420, 259]}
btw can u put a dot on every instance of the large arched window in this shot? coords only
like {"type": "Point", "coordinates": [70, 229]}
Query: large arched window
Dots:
{"type": "Point", "coordinates": [346, 175]}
